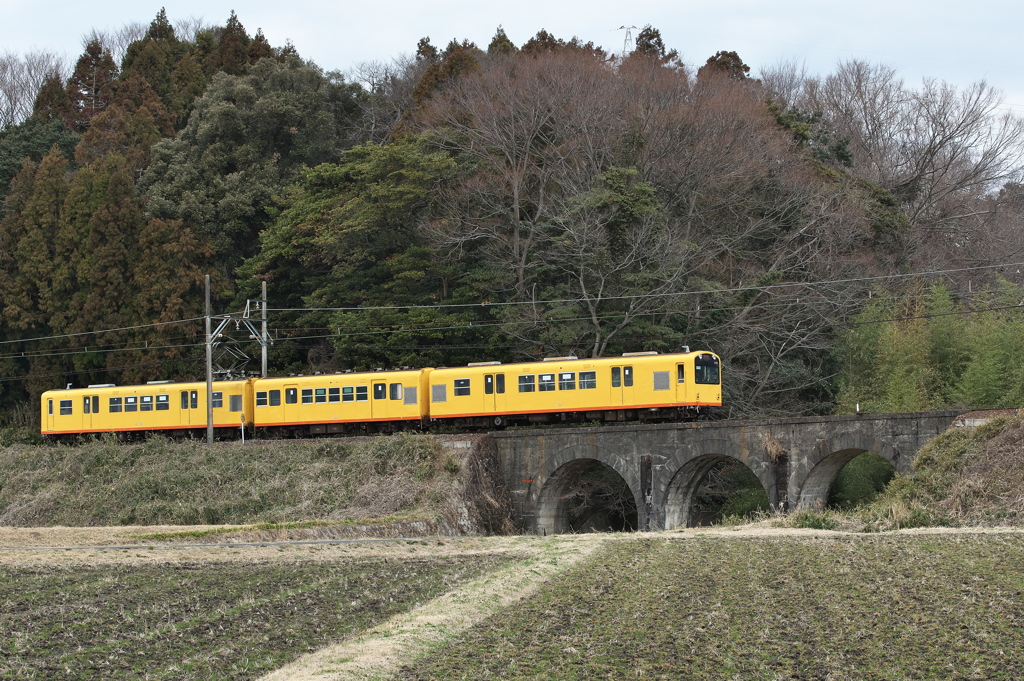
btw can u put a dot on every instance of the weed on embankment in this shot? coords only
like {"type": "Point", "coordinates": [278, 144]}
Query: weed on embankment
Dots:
{"type": "Point", "coordinates": [922, 606]}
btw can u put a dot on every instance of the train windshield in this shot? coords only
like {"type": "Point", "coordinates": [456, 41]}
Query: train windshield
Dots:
{"type": "Point", "coordinates": [705, 369]}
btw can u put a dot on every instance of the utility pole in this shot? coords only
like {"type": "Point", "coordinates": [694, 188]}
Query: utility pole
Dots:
{"type": "Point", "coordinates": [263, 331]}
{"type": "Point", "coordinates": [209, 369]}
{"type": "Point", "coordinates": [226, 348]}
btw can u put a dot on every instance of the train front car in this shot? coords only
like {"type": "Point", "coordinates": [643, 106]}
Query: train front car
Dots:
{"type": "Point", "coordinates": [377, 401]}
{"type": "Point", "coordinates": [175, 409]}
{"type": "Point", "coordinates": [642, 386]}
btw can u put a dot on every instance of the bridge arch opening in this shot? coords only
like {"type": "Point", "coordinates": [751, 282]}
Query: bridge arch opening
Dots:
{"type": "Point", "coordinates": [859, 481]}
{"type": "Point", "coordinates": [711, 487]}
{"type": "Point", "coordinates": [819, 488]}
{"type": "Point", "coordinates": [586, 495]}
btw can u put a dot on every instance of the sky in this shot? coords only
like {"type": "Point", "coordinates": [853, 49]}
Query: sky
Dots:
{"type": "Point", "coordinates": [959, 42]}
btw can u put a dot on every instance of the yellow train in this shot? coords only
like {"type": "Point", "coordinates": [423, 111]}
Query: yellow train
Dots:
{"type": "Point", "coordinates": [644, 386]}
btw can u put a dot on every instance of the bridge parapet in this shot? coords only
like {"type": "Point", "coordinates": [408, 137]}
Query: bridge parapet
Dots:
{"type": "Point", "coordinates": [796, 459]}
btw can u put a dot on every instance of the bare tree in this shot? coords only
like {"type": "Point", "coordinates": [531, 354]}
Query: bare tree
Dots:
{"type": "Point", "coordinates": [188, 28]}
{"type": "Point", "coordinates": [117, 40]}
{"type": "Point", "coordinates": [390, 88]}
{"type": "Point", "coordinates": [20, 81]}
{"type": "Point", "coordinates": [533, 131]}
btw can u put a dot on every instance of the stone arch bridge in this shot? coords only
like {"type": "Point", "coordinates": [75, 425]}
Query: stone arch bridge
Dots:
{"type": "Point", "coordinates": [796, 460]}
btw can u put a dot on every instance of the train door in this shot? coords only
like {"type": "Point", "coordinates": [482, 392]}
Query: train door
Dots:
{"type": "Point", "coordinates": [622, 385]}
{"type": "Point", "coordinates": [90, 405]}
{"type": "Point", "coordinates": [681, 381]}
{"type": "Point", "coordinates": [379, 401]}
{"type": "Point", "coordinates": [189, 412]}
{"type": "Point", "coordinates": [49, 415]}
{"type": "Point", "coordinates": [291, 403]}
{"type": "Point", "coordinates": [494, 393]}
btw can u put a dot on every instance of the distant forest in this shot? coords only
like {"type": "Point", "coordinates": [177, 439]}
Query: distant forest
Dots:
{"type": "Point", "coordinates": [843, 241]}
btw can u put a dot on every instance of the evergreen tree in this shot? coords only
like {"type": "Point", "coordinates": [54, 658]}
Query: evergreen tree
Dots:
{"type": "Point", "coordinates": [32, 299]}
{"type": "Point", "coordinates": [91, 86]}
{"type": "Point", "coordinates": [259, 48]}
{"type": "Point", "coordinates": [53, 103]}
{"type": "Point", "coordinates": [232, 50]}
{"type": "Point", "coordinates": [32, 139]}
{"type": "Point", "coordinates": [248, 137]}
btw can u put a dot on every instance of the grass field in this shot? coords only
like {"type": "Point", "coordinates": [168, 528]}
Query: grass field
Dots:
{"type": "Point", "coordinates": [907, 606]}
{"type": "Point", "coordinates": [746, 603]}
{"type": "Point", "coordinates": [204, 619]}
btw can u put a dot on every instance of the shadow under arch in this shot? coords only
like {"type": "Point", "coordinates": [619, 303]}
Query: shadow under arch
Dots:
{"type": "Point", "coordinates": [835, 454]}
{"type": "Point", "coordinates": [559, 507]}
{"type": "Point", "coordinates": [683, 487]}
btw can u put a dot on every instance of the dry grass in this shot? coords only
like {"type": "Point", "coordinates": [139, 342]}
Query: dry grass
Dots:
{"type": "Point", "coordinates": [419, 479]}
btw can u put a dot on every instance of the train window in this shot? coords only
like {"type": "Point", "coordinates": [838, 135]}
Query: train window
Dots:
{"type": "Point", "coordinates": [194, 396]}
{"type": "Point", "coordinates": [489, 384]}
{"type": "Point", "coordinates": [361, 393]}
{"type": "Point", "coordinates": [380, 391]}
{"type": "Point", "coordinates": [184, 399]}
{"type": "Point", "coordinates": [680, 374]}
{"type": "Point", "coordinates": [546, 382]}
{"type": "Point", "coordinates": [627, 376]}
{"type": "Point", "coordinates": [147, 403]}
{"type": "Point", "coordinates": [65, 407]}
{"type": "Point", "coordinates": [275, 398]}
{"type": "Point", "coordinates": [588, 380]}
{"type": "Point", "coordinates": [86, 405]}
{"type": "Point", "coordinates": [410, 395]}
{"type": "Point", "coordinates": [705, 369]}
{"type": "Point", "coordinates": [218, 400]}
{"type": "Point", "coordinates": [307, 396]}
{"type": "Point", "coordinates": [662, 380]}
{"type": "Point", "coordinates": [616, 377]}
{"type": "Point", "coordinates": [261, 398]}
{"type": "Point", "coordinates": [321, 395]}
{"type": "Point", "coordinates": [567, 381]}
{"type": "Point", "coordinates": [526, 384]}
{"type": "Point", "coordinates": [334, 394]}
{"type": "Point", "coordinates": [499, 383]}
{"type": "Point", "coordinates": [115, 405]}
{"type": "Point", "coordinates": [291, 395]}
{"type": "Point", "coordinates": [348, 394]}
{"type": "Point", "coordinates": [396, 391]}
{"type": "Point", "coordinates": [49, 407]}
{"type": "Point", "coordinates": [461, 387]}
{"type": "Point", "coordinates": [439, 393]}
{"type": "Point", "coordinates": [131, 404]}
{"type": "Point", "coordinates": [95, 404]}
{"type": "Point", "coordinates": [235, 402]}
{"type": "Point", "coordinates": [163, 402]}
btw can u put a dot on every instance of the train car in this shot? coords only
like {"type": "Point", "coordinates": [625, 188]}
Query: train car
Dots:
{"type": "Point", "coordinates": [159, 406]}
{"type": "Point", "coordinates": [378, 401]}
{"type": "Point", "coordinates": [644, 386]}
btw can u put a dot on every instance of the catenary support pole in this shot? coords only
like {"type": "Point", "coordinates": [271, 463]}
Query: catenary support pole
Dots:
{"type": "Point", "coordinates": [209, 369]}
{"type": "Point", "coordinates": [263, 338]}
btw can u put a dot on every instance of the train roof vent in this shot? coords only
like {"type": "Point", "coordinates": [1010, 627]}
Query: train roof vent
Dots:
{"type": "Point", "coordinates": [640, 354]}
{"type": "Point", "coordinates": [157, 382]}
{"type": "Point", "coordinates": [103, 385]}
{"type": "Point", "coordinates": [559, 359]}
{"type": "Point", "coordinates": [482, 364]}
